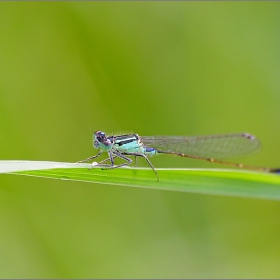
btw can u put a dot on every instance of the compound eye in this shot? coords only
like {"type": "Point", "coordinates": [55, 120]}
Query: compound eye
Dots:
{"type": "Point", "coordinates": [99, 135]}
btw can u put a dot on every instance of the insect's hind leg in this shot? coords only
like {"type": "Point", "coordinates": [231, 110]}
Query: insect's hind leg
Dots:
{"type": "Point", "coordinates": [146, 158]}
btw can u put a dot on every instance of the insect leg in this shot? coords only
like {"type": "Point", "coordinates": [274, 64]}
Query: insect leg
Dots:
{"type": "Point", "coordinates": [117, 154]}
{"type": "Point", "coordinates": [88, 159]}
{"type": "Point", "coordinates": [146, 158]}
{"type": "Point", "coordinates": [106, 159]}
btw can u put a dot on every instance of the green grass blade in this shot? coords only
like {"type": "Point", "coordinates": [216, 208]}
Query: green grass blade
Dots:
{"type": "Point", "coordinates": [228, 182]}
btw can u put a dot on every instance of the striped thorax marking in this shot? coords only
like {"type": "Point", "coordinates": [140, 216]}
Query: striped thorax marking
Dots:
{"type": "Point", "coordinates": [128, 143]}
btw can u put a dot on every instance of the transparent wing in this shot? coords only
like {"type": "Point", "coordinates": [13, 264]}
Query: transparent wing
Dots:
{"type": "Point", "coordinates": [211, 146]}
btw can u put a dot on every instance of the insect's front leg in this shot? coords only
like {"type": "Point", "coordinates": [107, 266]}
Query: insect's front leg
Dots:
{"type": "Point", "coordinates": [104, 160]}
{"type": "Point", "coordinates": [111, 158]}
{"type": "Point", "coordinates": [88, 159]}
{"type": "Point", "coordinates": [115, 154]}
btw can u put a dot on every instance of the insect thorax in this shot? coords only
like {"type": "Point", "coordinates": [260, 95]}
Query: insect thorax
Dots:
{"type": "Point", "coordinates": [130, 143]}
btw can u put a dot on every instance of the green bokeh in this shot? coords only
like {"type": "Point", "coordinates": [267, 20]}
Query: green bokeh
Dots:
{"type": "Point", "coordinates": [183, 68]}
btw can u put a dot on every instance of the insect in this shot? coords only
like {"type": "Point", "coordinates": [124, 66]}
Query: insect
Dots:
{"type": "Point", "coordinates": [211, 148]}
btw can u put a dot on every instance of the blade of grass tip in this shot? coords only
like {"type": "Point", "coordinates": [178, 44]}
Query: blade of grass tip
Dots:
{"type": "Point", "coordinates": [7, 166]}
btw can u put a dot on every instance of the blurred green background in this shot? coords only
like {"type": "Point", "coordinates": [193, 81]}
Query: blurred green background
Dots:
{"type": "Point", "coordinates": [160, 68]}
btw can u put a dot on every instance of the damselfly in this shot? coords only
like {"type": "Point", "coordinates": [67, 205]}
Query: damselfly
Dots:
{"type": "Point", "coordinates": [211, 148]}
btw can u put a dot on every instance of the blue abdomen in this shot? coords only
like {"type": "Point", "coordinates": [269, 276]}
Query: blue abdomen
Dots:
{"type": "Point", "coordinates": [149, 151]}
